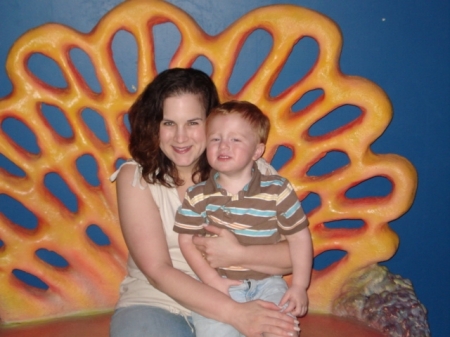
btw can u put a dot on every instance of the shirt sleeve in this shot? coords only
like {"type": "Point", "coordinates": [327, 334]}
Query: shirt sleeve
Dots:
{"type": "Point", "coordinates": [290, 214]}
{"type": "Point", "coordinates": [188, 219]}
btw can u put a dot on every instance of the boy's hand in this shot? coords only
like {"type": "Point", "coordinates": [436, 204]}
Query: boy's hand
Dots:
{"type": "Point", "coordinates": [296, 301]}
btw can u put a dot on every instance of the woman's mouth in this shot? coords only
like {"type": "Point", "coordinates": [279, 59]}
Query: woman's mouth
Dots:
{"type": "Point", "coordinates": [181, 150]}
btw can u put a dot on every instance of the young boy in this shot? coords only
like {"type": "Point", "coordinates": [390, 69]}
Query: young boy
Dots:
{"type": "Point", "coordinates": [257, 208]}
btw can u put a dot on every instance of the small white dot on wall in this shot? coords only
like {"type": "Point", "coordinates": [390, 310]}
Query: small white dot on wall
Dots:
{"type": "Point", "coordinates": [383, 19]}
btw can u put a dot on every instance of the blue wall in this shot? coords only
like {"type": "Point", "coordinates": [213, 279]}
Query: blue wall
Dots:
{"type": "Point", "coordinates": [404, 47]}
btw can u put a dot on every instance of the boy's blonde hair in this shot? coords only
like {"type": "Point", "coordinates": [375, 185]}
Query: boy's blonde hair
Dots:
{"type": "Point", "coordinates": [248, 111]}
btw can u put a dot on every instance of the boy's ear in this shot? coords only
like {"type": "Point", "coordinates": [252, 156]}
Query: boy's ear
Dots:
{"type": "Point", "coordinates": [260, 148]}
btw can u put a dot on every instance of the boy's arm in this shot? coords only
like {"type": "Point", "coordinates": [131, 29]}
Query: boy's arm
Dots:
{"type": "Point", "coordinates": [200, 266]}
{"type": "Point", "coordinates": [300, 247]}
{"type": "Point", "coordinates": [189, 221]}
{"type": "Point", "coordinates": [195, 259]}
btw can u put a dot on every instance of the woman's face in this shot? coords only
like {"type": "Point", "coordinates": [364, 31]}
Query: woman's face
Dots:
{"type": "Point", "coordinates": [182, 131]}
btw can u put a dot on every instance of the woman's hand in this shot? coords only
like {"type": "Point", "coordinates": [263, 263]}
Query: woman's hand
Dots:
{"type": "Point", "coordinates": [255, 318]}
{"type": "Point", "coordinates": [222, 250]}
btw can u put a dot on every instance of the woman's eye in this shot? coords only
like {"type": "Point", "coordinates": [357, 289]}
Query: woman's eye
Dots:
{"type": "Point", "coordinates": [167, 123]}
{"type": "Point", "coordinates": [193, 123]}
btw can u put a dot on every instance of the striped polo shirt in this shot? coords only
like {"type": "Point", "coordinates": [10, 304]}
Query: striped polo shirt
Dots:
{"type": "Point", "coordinates": [263, 210]}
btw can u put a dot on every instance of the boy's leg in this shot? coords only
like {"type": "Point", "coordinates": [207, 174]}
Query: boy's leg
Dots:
{"type": "Point", "coordinates": [271, 289]}
{"type": "Point", "coordinates": [205, 327]}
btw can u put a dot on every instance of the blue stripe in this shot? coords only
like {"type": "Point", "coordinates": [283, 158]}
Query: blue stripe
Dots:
{"type": "Point", "coordinates": [277, 182]}
{"type": "Point", "coordinates": [212, 207]}
{"type": "Point", "coordinates": [199, 184]}
{"type": "Point", "coordinates": [190, 213]}
{"type": "Point", "coordinates": [255, 233]}
{"type": "Point", "coordinates": [292, 210]}
{"type": "Point", "coordinates": [242, 211]}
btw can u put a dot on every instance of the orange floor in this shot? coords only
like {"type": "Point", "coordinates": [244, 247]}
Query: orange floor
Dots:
{"type": "Point", "coordinates": [98, 326]}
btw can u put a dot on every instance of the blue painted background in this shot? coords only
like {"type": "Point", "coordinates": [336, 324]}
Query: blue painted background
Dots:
{"type": "Point", "coordinates": [403, 46]}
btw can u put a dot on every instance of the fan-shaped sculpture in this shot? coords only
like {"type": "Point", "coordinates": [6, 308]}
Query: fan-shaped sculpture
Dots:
{"type": "Point", "coordinates": [88, 282]}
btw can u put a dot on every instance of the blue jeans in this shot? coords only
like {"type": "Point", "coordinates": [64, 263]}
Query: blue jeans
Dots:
{"type": "Point", "coordinates": [270, 289]}
{"type": "Point", "coordinates": [148, 321]}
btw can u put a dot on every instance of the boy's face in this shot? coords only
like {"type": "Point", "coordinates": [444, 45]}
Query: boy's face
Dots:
{"type": "Point", "coordinates": [232, 145]}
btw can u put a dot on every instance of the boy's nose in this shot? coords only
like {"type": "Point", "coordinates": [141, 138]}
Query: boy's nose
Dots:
{"type": "Point", "coordinates": [223, 144]}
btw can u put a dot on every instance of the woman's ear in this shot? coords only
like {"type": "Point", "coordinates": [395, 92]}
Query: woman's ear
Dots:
{"type": "Point", "coordinates": [260, 148]}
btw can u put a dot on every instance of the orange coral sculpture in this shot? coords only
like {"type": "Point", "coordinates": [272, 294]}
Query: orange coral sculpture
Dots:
{"type": "Point", "coordinates": [90, 282]}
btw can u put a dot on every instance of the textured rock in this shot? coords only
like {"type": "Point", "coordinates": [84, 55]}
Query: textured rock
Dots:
{"type": "Point", "coordinates": [384, 301]}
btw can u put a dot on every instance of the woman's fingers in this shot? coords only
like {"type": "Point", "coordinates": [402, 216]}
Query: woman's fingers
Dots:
{"type": "Point", "coordinates": [257, 317]}
{"type": "Point", "coordinates": [221, 250]}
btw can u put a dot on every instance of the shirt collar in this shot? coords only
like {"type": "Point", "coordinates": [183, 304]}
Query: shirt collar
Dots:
{"type": "Point", "coordinates": [252, 188]}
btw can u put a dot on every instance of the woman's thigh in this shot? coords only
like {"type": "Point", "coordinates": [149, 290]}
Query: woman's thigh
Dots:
{"type": "Point", "coordinates": [143, 321]}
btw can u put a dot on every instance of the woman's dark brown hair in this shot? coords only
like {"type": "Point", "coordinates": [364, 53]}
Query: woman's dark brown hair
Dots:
{"type": "Point", "coordinates": [146, 114]}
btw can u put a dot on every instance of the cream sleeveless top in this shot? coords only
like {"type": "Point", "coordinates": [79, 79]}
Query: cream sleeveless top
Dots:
{"type": "Point", "coordinates": [135, 288]}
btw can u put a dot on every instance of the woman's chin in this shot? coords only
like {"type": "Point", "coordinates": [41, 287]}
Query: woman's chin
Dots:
{"type": "Point", "coordinates": [184, 163]}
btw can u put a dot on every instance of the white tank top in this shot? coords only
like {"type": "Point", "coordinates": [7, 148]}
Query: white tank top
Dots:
{"type": "Point", "coordinates": [135, 288]}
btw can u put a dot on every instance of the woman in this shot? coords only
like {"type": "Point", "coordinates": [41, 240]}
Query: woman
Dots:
{"type": "Point", "coordinates": [167, 143]}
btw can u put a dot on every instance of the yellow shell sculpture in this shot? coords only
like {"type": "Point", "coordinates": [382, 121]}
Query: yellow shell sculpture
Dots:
{"type": "Point", "coordinates": [90, 281]}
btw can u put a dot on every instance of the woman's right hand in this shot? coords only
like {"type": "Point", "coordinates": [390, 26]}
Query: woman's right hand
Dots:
{"type": "Point", "coordinates": [255, 318]}
{"type": "Point", "coordinates": [222, 249]}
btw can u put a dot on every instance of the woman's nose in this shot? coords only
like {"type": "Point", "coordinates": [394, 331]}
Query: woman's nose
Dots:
{"type": "Point", "coordinates": [181, 134]}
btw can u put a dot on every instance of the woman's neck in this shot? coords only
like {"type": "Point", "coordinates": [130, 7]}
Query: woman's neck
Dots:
{"type": "Point", "coordinates": [186, 176]}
